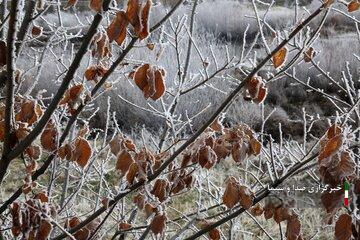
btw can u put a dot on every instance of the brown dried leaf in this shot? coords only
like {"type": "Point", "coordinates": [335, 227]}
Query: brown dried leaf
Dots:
{"type": "Point", "coordinates": [96, 5]}
{"type": "Point", "coordinates": [149, 209]}
{"type": "Point", "coordinates": [207, 157]}
{"type": "Point", "coordinates": [30, 168]}
{"type": "Point", "coordinates": [72, 95]}
{"type": "Point", "coordinates": [214, 234]}
{"type": "Point", "coordinates": [150, 80]}
{"type": "Point", "coordinates": [139, 200]}
{"type": "Point", "coordinates": [257, 210]}
{"type": "Point", "coordinates": [161, 189]}
{"type": "Point", "coordinates": [279, 57]}
{"type": "Point", "coordinates": [331, 146]}
{"type": "Point", "coordinates": [44, 230]}
{"type": "Point", "coordinates": [255, 90]}
{"type": "Point", "coordinates": [138, 15]}
{"type": "Point", "coordinates": [93, 72]}
{"type": "Point", "coordinates": [343, 229]}
{"type": "Point", "coordinates": [269, 210]}
{"type": "Point", "coordinates": [65, 152]}
{"type": "Point", "coordinates": [34, 152]}
{"type": "Point", "coordinates": [345, 168]}
{"type": "Point", "coordinates": [82, 152]}
{"type": "Point", "coordinates": [293, 228]}
{"type": "Point", "coordinates": [36, 31]}
{"type": "Point", "coordinates": [42, 197]}
{"type": "Point", "coordinates": [159, 84]}
{"type": "Point", "coordinates": [252, 86]}
{"type": "Point", "coordinates": [353, 6]}
{"type": "Point", "coordinates": [246, 197]}
{"type": "Point", "coordinates": [332, 200]}
{"type": "Point", "coordinates": [239, 151]}
{"type": "Point", "coordinates": [15, 214]}
{"type": "Point", "coordinates": [132, 173]}
{"type": "Point", "coordinates": [255, 146]}
{"type": "Point", "coordinates": [281, 214]}
{"type": "Point", "coordinates": [261, 95]}
{"type": "Point", "coordinates": [49, 137]}
{"type": "Point", "coordinates": [124, 226]}
{"type": "Point", "coordinates": [117, 28]}
{"type": "Point", "coordinates": [158, 224]}
{"type": "Point", "coordinates": [124, 161]}
{"type": "Point", "coordinates": [308, 55]}
{"type": "Point", "coordinates": [232, 193]}
{"type": "Point", "coordinates": [140, 76]}
{"type": "Point", "coordinates": [143, 29]}
{"type": "Point", "coordinates": [29, 112]}
{"type": "Point", "coordinates": [101, 46]}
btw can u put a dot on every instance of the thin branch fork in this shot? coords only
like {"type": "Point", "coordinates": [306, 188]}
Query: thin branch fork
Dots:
{"type": "Point", "coordinates": [226, 102]}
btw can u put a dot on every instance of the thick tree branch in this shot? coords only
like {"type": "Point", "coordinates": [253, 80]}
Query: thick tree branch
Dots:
{"type": "Point", "coordinates": [10, 82]}
{"type": "Point", "coordinates": [3, 17]}
{"type": "Point", "coordinates": [24, 27]}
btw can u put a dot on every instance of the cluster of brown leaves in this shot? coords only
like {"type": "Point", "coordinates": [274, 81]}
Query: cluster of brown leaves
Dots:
{"type": "Point", "coordinates": [73, 97]}
{"type": "Point", "coordinates": [27, 112]}
{"type": "Point", "coordinates": [218, 143]}
{"type": "Point", "coordinates": [136, 15]}
{"type": "Point", "coordinates": [31, 218]}
{"type": "Point", "coordinates": [85, 232]}
{"type": "Point", "coordinates": [132, 162]}
{"type": "Point", "coordinates": [158, 223]}
{"type": "Point", "coordinates": [138, 163]}
{"type": "Point", "coordinates": [336, 165]}
{"type": "Point", "coordinates": [335, 160]}
{"type": "Point", "coordinates": [150, 80]}
{"type": "Point", "coordinates": [78, 150]}
{"type": "Point", "coordinates": [236, 193]}
{"type": "Point", "coordinates": [345, 229]}
{"type": "Point", "coordinates": [94, 72]}
{"type": "Point", "coordinates": [332, 201]}
{"type": "Point", "coordinates": [101, 47]}
{"type": "Point", "coordinates": [142, 202]}
{"type": "Point", "coordinates": [255, 90]}
{"type": "Point", "coordinates": [280, 213]}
